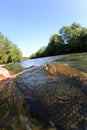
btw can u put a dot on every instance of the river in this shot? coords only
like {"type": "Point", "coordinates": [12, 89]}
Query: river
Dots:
{"type": "Point", "coordinates": [55, 103]}
{"type": "Point", "coordinates": [77, 60]}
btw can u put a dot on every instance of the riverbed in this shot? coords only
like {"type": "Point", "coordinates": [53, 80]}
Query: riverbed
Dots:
{"type": "Point", "coordinates": [37, 100]}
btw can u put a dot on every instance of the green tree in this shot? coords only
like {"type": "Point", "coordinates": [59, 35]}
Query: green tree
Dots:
{"type": "Point", "coordinates": [15, 54]}
{"type": "Point", "coordinates": [83, 39]}
{"type": "Point", "coordinates": [41, 52]}
{"type": "Point", "coordinates": [4, 49]}
{"type": "Point", "coordinates": [75, 26]}
{"type": "Point", "coordinates": [70, 35]}
{"type": "Point", "coordinates": [55, 43]}
{"type": "Point", "coordinates": [8, 51]}
{"type": "Point", "coordinates": [69, 40]}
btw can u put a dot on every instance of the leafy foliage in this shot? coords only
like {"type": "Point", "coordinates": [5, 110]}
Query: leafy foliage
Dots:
{"type": "Point", "coordinates": [8, 51]}
{"type": "Point", "coordinates": [40, 53]}
{"type": "Point", "coordinates": [71, 39]}
{"type": "Point", "coordinates": [54, 45]}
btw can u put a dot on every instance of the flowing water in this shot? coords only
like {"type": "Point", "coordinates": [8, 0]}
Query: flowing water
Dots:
{"type": "Point", "coordinates": [60, 100]}
{"type": "Point", "coordinates": [77, 60]}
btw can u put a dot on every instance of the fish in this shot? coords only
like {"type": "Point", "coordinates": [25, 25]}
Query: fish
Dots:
{"type": "Point", "coordinates": [56, 68]}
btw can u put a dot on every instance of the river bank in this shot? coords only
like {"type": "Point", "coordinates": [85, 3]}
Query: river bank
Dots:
{"type": "Point", "coordinates": [6, 64]}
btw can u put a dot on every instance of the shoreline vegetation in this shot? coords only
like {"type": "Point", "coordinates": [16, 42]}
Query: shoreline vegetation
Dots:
{"type": "Point", "coordinates": [9, 52]}
{"type": "Point", "coordinates": [70, 39]}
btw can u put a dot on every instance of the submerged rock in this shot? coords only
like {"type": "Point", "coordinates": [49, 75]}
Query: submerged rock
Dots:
{"type": "Point", "coordinates": [55, 102]}
{"type": "Point", "coordinates": [38, 111]}
{"type": "Point", "coordinates": [61, 99]}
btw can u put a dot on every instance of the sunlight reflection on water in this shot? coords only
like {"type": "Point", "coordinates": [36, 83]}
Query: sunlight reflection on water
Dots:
{"type": "Point", "coordinates": [77, 60]}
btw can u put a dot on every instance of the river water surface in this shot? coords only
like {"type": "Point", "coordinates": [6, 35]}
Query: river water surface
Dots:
{"type": "Point", "coordinates": [77, 60]}
{"type": "Point", "coordinates": [54, 102]}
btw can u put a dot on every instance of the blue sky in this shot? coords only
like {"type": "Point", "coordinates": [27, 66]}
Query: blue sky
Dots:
{"type": "Point", "coordinates": [30, 23]}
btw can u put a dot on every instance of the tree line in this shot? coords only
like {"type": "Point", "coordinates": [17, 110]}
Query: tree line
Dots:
{"type": "Point", "coordinates": [9, 52]}
{"type": "Point", "coordinates": [70, 39]}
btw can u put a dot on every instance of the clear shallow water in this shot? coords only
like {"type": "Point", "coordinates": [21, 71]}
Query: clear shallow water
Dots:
{"type": "Point", "coordinates": [37, 81]}
{"type": "Point", "coordinates": [77, 60]}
